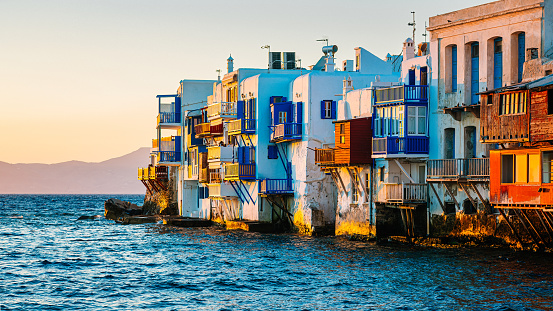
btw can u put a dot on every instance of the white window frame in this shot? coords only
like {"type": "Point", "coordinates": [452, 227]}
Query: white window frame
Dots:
{"type": "Point", "coordinates": [413, 120]}
{"type": "Point", "coordinates": [282, 117]}
{"type": "Point", "coordinates": [328, 109]}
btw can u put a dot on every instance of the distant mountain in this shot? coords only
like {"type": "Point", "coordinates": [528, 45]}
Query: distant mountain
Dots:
{"type": "Point", "coordinates": [113, 176]}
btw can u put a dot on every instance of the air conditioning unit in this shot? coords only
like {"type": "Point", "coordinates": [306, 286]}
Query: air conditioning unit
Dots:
{"type": "Point", "coordinates": [289, 60]}
{"type": "Point", "coordinates": [275, 60]}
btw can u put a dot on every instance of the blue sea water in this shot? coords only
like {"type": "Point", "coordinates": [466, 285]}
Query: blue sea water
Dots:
{"type": "Point", "coordinates": [51, 261]}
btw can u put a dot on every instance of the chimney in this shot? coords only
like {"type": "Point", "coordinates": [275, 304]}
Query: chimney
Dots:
{"type": "Point", "coordinates": [230, 64]}
{"type": "Point", "coordinates": [329, 52]}
{"type": "Point", "coordinates": [347, 86]}
{"type": "Point", "coordinates": [408, 49]}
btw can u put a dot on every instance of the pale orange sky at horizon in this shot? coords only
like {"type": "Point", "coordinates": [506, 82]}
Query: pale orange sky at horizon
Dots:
{"type": "Point", "coordinates": [78, 78]}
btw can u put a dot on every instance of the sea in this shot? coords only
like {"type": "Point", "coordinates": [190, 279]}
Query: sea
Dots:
{"type": "Point", "coordinates": [49, 260]}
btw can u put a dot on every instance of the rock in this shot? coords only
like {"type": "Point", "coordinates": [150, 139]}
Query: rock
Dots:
{"type": "Point", "coordinates": [116, 209]}
{"type": "Point", "coordinates": [84, 217]}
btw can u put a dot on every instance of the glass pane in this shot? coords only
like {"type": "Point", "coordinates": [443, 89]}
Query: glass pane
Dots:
{"type": "Point", "coordinates": [411, 125]}
{"type": "Point", "coordinates": [546, 166]}
{"type": "Point", "coordinates": [521, 168]}
{"type": "Point", "coordinates": [422, 125]}
{"type": "Point", "coordinates": [507, 169]}
{"type": "Point", "coordinates": [533, 168]}
{"type": "Point", "coordinates": [411, 111]}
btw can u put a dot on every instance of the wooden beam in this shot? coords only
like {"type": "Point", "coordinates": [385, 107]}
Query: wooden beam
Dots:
{"type": "Point", "coordinates": [532, 226]}
{"type": "Point", "coordinates": [363, 184]}
{"type": "Point", "coordinates": [353, 175]}
{"type": "Point", "coordinates": [525, 227]}
{"type": "Point", "coordinates": [336, 180]}
{"type": "Point", "coordinates": [472, 201]}
{"type": "Point", "coordinates": [452, 196]}
{"type": "Point", "coordinates": [404, 171]}
{"type": "Point", "coordinates": [437, 196]}
{"type": "Point", "coordinates": [340, 179]}
{"type": "Point", "coordinates": [544, 224]}
{"type": "Point", "coordinates": [510, 226]}
{"type": "Point", "coordinates": [485, 202]}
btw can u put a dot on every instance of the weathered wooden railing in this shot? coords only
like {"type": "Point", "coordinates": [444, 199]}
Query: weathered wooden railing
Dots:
{"type": "Point", "coordinates": [324, 156]}
{"type": "Point", "coordinates": [221, 110]}
{"type": "Point", "coordinates": [412, 93]}
{"type": "Point", "coordinates": [239, 171]}
{"type": "Point", "coordinates": [397, 145]}
{"type": "Point", "coordinates": [203, 177]}
{"type": "Point", "coordinates": [215, 176]}
{"type": "Point", "coordinates": [241, 126]}
{"type": "Point", "coordinates": [287, 131]}
{"type": "Point", "coordinates": [202, 129]}
{"type": "Point", "coordinates": [404, 193]}
{"type": "Point", "coordinates": [458, 168]}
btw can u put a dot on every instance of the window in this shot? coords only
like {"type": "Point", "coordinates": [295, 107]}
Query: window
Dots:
{"type": "Point", "coordinates": [354, 190]}
{"type": "Point", "coordinates": [416, 120]}
{"type": "Point", "coordinates": [282, 117]}
{"type": "Point", "coordinates": [498, 63]}
{"type": "Point", "coordinates": [454, 68]}
{"type": "Point", "coordinates": [342, 133]}
{"type": "Point", "coordinates": [507, 169]}
{"type": "Point", "coordinates": [533, 168]}
{"type": "Point", "coordinates": [512, 103]}
{"type": "Point", "coordinates": [378, 122]}
{"type": "Point", "coordinates": [272, 152]}
{"type": "Point", "coordinates": [367, 186]}
{"type": "Point", "coordinates": [546, 166]}
{"type": "Point", "coordinates": [328, 109]}
{"type": "Point", "coordinates": [381, 173]}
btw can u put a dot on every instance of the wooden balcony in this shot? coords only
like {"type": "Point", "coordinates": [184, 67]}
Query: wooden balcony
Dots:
{"type": "Point", "coordinates": [275, 186]}
{"type": "Point", "coordinates": [221, 110]}
{"type": "Point", "coordinates": [153, 173]}
{"type": "Point", "coordinates": [223, 154]}
{"type": "Point", "coordinates": [236, 171]}
{"type": "Point", "coordinates": [202, 130]}
{"type": "Point", "coordinates": [385, 146]}
{"type": "Point", "coordinates": [324, 157]}
{"type": "Point", "coordinates": [241, 126]}
{"type": "Point", "coordinates": [203, 177]}
{"type": "Point", "coordinates": [286, 132]}
{"type": "Point", "coordinates": [221, 190]}
{"type": "Point", "coordinates": [455, 169]}
{"type": "Point", "coordinates": [403, 193]}
{"type": "Point", "coordinates": [404, 93]}
{"type": "Point", "coordinates": [215, 176]}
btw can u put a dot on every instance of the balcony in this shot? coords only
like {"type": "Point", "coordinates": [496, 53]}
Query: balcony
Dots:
{"type": "Point", "coordinates": [203, 177]}
{"type": "Point", "coordinates": [403, 193]}
{"type": "Point", "coordinates": [202, 130]}
{"type": "Point", "coordinates": [324, 157]}
{"type": "Point", "coordinates": [455, 169]}
{"type": "Point", "coordinates": [221, 190]}
{"type": "Point", "coordinates": [153, 173]}
{"type": "Point", "coordinates": [169, 157]}
{"type": "Point", "coordinates": [236, 171]}
{"type": "Point", "coordinates": [400, 146]}
{"type": "Point", "coordinates": [241, 126]}
{"type": "Point", "coordinates": [216, 129]}
{"type": "Point", "coordinates": [275, 186]}
{"type": "Point", "coordinates": [221, 110]}
{"type": "Point", "coordinates": [220, 154]}
{"type": "Point", "coordinates": [286, 132]}
{"type": "Point", "coordinates": [404, 93]}
{"type": "Point", "coordinates": [215, 176]}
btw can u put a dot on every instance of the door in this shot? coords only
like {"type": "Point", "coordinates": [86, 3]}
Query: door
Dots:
{"type": "Point", "coordinates": [497, 63]}
{"type": "Point", "coordinates": [521, 54]}
{"type": "Point", "coordinates": [475, 73]}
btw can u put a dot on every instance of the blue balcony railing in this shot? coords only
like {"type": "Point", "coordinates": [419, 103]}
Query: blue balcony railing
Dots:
{"type": "Point", "coordinates": [275, 186]}
{"type": "Point", "coordinates": [241, 126]}
{"type": "Point", "coordinates": [286, 131]}
{"type": "Point", "coordinates": [169, 156]}
{"type": "Point", "coordinates": [404, 93]}
{"type": "Point", "coordinates": [400, 145]}
{"type": "Point", "coordinates": [169, 117]}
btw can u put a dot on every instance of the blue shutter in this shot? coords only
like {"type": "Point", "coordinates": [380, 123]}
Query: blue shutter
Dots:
{"type": "Point", "coordinates": [411, 77]}
{"type": "Point", "coordinates": [241, 155]}
{"type": "Point", "coordinates": [521, 54]}
{"type": "Point", "coordinates": [299, 112]}
{"type": "Point", "coordinates": [497, 65]}
{"type": "Point", "coordinates": [475, 72]}
{"type": "Point", "coordinates": [322, 109]}
{"type": "Point", "coordinates": [272, 152]}
{"type": "Point", "coordinates": [178, 109]}
{"type": "Point", "coordinates": [333, 110]}
{"type": "Point", "coordinates": [454, 68]}
{"type": "Point", "coordinates": [240, 109]}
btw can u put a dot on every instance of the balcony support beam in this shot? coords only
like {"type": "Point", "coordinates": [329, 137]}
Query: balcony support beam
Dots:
{"type": "Point", "coordinates": [510, 225]}
{"type": "Point", "coordinates": [472, 201]}
{"type": "Point", "coordinates": [336, 173]}
{"type": "Point", "coordinates": [404, 171]}
{"type": "Point", "coordinates": [485, 202]}
{"type": "Point", "coordinates": [544, 225]}
{"type": "Point", "coordinates": [523, 212]}
{"type": "Point", "coordinates": [452, 196]}
{"type": "Point", "coordinates": [356, 180]}
{"type": "Point", "coordinates": [363, 184]}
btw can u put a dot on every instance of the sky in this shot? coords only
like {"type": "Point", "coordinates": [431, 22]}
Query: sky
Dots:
{"type": "Point", "coordinates": [78, 79]}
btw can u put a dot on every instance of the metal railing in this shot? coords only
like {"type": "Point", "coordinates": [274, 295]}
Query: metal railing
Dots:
{"type": "Point", "coordinates": [275, 186]}
{"type": "Point", "coordinates": [287, 131]}
{"type": "Point", "coordinates": [168, 156]}
{"type": "Point", "coordinates": [241, 126]}
{"type": "Point", "coordinates": [221, 110]}
{"type": "Point", "coordinates": [324, 156]}
{"type": "Point", "coordinates": [239, 171]}
{"type": "Point", "coordinates": [404, 193]}
{"type": "Point", "coordinates": [412, 93]}
{"type": "Point", "coordinates": [397, 145]}
{"type": "Point", "coordinates": [168, 117]}
{"type": "Point", "coordinates": [458, 168]}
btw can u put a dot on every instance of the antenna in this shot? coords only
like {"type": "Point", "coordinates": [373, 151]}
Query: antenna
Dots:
{"type": "Point", "coordinates": [424, 35]}
{"type": "Point", "coordinates": [414, 28]}
{"type": "Point", "coordinates": [218, 75]}
{"type": "Point", "coordinates": [325, 40]}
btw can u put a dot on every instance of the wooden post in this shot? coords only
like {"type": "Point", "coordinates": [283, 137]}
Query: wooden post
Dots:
{"type": "Point", "coordinates": [532, 226]}
{"type": "Point", "coordinates": [510, 226]}
{"type": "Point", "coordinates": [437, 197]}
